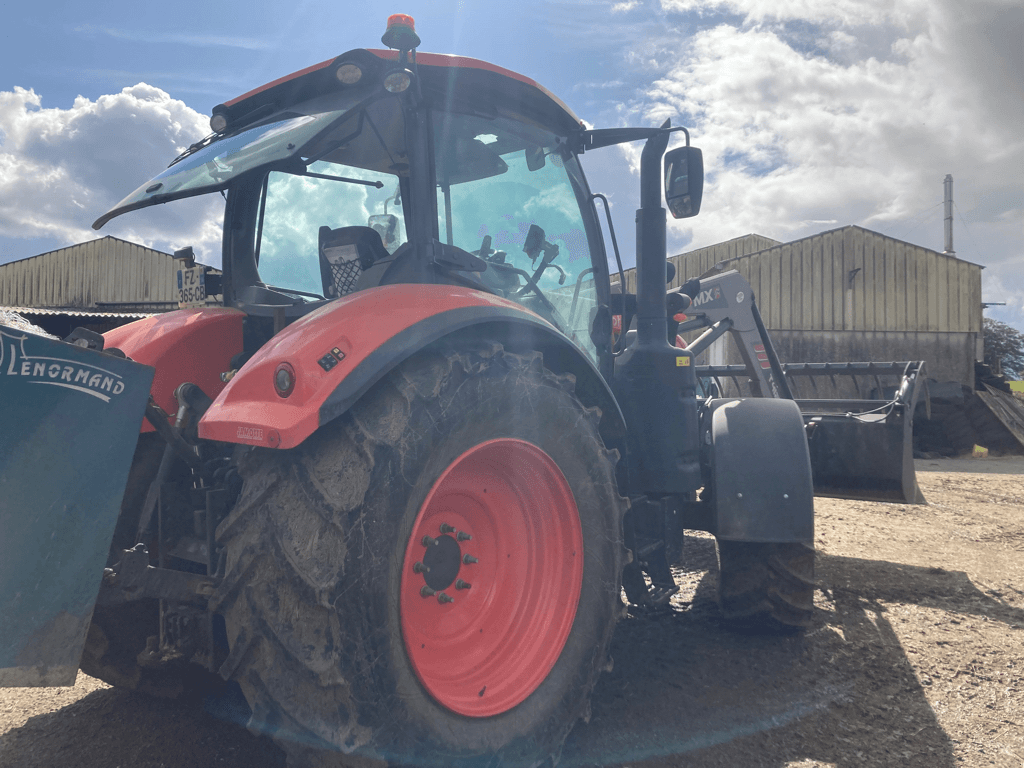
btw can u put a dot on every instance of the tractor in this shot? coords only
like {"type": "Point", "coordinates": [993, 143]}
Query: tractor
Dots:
{"type": "Point", "coordinates": [396, 480]}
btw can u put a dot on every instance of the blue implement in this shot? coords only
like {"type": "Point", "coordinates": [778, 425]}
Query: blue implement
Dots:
{"type": "Point", "coordinates": [69, 422]}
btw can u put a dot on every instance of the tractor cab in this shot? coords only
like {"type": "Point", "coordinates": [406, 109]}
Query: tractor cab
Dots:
{"type": "Point", "coordinates": [366, 171]}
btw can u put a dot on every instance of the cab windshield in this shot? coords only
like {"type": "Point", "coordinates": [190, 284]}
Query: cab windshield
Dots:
{"type": "Point", "coordinates": [225, 158]}
{"type": "Point", "coordinates": [507, 192]}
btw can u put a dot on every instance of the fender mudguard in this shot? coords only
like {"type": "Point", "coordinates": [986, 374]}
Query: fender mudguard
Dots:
{"type": "Point", "coordinates": [339, 351]}
{"type": "Point", "coordinates": [69, 422]}
{"type": "Point", "coordinates": [760, 471]}
{"type": "Point", "coordinates": [193, 345]}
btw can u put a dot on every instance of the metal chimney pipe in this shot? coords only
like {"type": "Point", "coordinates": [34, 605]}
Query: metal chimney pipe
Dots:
{"type": "Point", "coordinates": [947, 186]}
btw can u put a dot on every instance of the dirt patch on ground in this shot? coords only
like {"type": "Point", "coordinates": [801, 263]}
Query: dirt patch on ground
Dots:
{"type": "Point", "coordinates": [915, 659]}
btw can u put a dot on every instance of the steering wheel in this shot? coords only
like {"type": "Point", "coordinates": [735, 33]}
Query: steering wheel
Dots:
{"type": "Point", "coordinates": [506, 277]}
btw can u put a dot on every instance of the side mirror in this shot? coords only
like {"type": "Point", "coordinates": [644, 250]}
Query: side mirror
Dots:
{"type": "Point", "coordinates": [684, 181]}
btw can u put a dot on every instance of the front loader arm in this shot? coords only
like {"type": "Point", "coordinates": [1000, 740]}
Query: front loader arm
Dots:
{"type": "Point", "coordinates": [860, 449]}
{"type": "Point", "coordinates": [725, 304]}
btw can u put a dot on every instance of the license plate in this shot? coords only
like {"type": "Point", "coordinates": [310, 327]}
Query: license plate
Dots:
{"type": "Point", "coordinates": [192, 287]}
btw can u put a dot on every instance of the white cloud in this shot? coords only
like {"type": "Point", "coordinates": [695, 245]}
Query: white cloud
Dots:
{"type": "Point", "coordinates": [178, 38]}
{"type": "Point", "coordinates": [848, 12]}
{"type": "Point", "coordinates": [854, 111]}
{"type": "Point", "coordinates": [625, 6]}
{"type": "Point", "coordinates": [60, 169]}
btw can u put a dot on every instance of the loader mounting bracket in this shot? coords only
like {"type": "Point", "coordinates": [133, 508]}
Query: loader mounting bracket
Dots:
{"type": "Point", "coordinates": [654, 538]}
{"type": "Point", "coordinates": [135, 579]}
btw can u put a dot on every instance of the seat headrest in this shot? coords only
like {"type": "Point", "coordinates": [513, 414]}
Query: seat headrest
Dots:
{"type": "Point", "coordinates": [368, 245]}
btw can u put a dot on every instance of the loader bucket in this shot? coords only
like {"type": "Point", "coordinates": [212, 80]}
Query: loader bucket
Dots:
{"type": "Point", "coordinates": [863, 449]}
{"type": "Point", "coordinates": [69, 422]}
{"type": "Point", "coordinates": [868, 457]}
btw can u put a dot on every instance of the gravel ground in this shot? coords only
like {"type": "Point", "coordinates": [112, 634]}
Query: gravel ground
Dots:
{"type": "Point", "coordinates": [914, 659]}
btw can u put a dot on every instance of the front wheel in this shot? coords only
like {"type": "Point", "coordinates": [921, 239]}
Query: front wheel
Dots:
{"type": "Point", "coordinates": [434, 577]}
{"type": "Point", "coordinates": [767, 588]}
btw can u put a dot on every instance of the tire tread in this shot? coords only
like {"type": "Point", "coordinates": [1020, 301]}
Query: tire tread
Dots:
{"type": "Point", "coordinates": [766, 588]}
{"type": "Point", "coordinates": [312, 640]}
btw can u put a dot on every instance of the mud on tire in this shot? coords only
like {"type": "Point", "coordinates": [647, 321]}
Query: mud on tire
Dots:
{"type": "Point", "coordinates": [318, 546]}
{"type": "Point", "coordinates": [766, 588]}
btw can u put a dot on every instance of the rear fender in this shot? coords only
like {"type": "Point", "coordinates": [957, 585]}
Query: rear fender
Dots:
{"type": "Point", "coordinates": [341, 350]}
{"type": "Point", "coordinates": [760, 471]}
{"type": "Point", "coordinates": [193, 345]}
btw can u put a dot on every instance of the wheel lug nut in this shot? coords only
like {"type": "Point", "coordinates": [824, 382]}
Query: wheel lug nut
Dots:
{"type": "Point", "coordinates": [443, 598]}
{"type": "Point", "coordinates": [469, 559]}
{"type": "Point", "coordinates": [445, 528]}
{"type": "Point", "coordinates": [460, 584]}
{"type": "Point", "coordinates": [463, 536]}
{"type": "Point", "coordinates": [420, 568]}
{"type": "Point", "coordinates": [426, 591]}
{"type": "Point", "coordinates": [426, 541]}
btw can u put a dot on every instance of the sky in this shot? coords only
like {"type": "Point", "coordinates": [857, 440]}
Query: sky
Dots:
{"type": "Point", "coordinates": [812, 115]}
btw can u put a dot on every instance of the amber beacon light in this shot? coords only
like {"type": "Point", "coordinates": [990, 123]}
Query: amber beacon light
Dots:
{"type": "Point", "coordinates": [401, 32]}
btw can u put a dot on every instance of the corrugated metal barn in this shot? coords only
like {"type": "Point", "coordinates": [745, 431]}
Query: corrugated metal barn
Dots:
{"type": "Point", "coordinates": [97, 285]}
{"type": "Point", "coordinates": [99, 274]}
{"type": "Point", "coordinates": [851, 294]}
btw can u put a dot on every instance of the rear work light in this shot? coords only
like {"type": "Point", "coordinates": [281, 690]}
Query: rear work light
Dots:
{"type": "Point", "coordinates": [398, 80]}
{"type": "Point", "coordinates": [349, 73]}
{"type": "Point", "coordinates": [218, 123]}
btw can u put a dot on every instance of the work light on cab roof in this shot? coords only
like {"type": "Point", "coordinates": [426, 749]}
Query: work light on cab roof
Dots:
{"type": "Point", "coordinates": [400, 35]}
{"type": "Point", "coordinates": [218, 123]}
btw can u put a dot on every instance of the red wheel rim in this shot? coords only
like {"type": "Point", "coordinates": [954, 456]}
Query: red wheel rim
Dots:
{"type": "Point", "coordinates": [489, 647]}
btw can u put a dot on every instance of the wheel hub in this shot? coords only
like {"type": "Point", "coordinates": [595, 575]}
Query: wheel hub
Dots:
{"type": "Point", "coordinates": [499, 546]}
{"type": "Point", "coordinates": [441, 560]}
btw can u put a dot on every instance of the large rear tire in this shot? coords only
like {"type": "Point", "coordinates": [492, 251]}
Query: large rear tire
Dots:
{"type": "Point", "coordinates": [361, 620]}
{"type": "Point", "coordinates": [766, 588]}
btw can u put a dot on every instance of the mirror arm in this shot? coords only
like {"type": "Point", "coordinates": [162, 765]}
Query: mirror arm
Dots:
{"type": "Point", "coordinates": [607, 137]}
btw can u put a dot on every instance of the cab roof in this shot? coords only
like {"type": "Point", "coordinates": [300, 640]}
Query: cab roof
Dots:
{"type": "Point", "coordinates": [461, 81]}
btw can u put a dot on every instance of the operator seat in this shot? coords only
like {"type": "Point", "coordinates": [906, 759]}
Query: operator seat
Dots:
{"type": "Point", "coordinates": [344, 254]}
